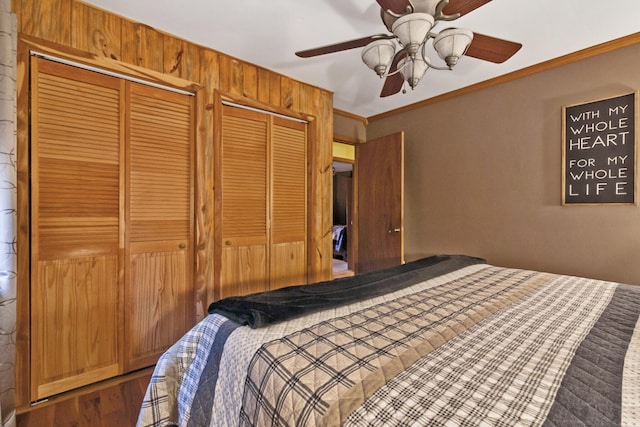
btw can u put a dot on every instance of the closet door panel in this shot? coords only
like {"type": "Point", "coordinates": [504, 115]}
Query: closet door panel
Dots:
{"type": "Point", "coordinates": [288, 203]}
{"type": "Point", "coordinates": [243, 270]}
{"type": "Point", "coordinates": [159, 307]}
{"type": "Point", "coordinates": [156, 308]}
{"type": "Point", "coordinates": [76, 156]}
{"type": "Point", "coordinates": [78, 339]}
{"type": "Point", "coordinates": [243, 196]}
{"type": "Point", "coordinates": [288, 264]}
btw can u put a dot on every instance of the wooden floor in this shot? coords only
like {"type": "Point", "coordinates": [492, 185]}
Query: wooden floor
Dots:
{"type": "Point", "coordinates": [116, 403]}
{"type": "Point", "coordinates": [340, 269]}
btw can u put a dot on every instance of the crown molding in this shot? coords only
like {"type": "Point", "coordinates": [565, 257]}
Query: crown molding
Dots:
{"type": "Point", "coordinates": [348, 115]}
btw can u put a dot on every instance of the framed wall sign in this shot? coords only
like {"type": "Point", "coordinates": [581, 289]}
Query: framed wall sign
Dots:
{"type": "Point", "coordinates": [599, 151]}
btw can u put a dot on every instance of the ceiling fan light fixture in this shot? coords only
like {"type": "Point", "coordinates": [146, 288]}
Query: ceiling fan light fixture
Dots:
{"type": "Point", "coordinates": [378, 55]}
{"type": "Point", "coordinates": [412, 70]}
{"type": "Point", "coordinates": [452, 43]}
{"type": "Point", "coordinates": [412, 30]}
{"type": "Point", "coordinates": [411, 24]}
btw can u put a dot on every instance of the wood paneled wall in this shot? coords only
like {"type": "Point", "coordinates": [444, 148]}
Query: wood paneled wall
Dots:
{"type": "Point", "coordinates": [76, 29]}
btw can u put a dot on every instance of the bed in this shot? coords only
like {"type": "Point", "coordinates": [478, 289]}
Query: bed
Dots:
{"type": "Point", "coordinates": [445, 340]}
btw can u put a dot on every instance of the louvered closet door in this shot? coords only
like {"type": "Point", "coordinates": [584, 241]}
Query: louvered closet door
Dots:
{"type": "Point", "coordinates": [288, 260]}
{"type": "Point", "coordinates": [76, 156]}
{"type": "Point", "coordinates": [243, 196]}
{"type": "Point", "coordinates": [159, 218]}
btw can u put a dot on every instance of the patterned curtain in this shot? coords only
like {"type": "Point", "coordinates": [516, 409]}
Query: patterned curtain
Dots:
{"type": "Point", "coordinates": [8, 48]}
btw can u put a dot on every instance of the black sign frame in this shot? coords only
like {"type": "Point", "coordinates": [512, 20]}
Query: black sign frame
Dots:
{"type": "Point", "coordinates": [600, 151]}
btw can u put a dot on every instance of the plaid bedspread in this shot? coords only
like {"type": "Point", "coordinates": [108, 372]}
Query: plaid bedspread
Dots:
{"type": "Point", "coordinates": [483, 345]}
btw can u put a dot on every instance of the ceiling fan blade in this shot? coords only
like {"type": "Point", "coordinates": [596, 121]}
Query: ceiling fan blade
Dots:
{"type": "Point", "coordinates": [396, 6]}
{"type": "Point", "coordinates": [338, 47]}
{"type": "Point", "coordinates": [492, 49]}
{"type": "Point", "coordinates": [392, 85]}
{"type": "Point", "coordinates": [463, 6]}
{"type": "Point", "coordinates": [394, 80]}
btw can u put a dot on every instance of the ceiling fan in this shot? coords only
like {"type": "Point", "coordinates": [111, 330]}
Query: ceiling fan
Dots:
{"type": "Point", "coordinates": [410, 23]}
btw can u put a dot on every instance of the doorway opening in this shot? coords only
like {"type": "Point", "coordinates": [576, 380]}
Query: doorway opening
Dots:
{"type": "Point", "coordinates": [342, 218]}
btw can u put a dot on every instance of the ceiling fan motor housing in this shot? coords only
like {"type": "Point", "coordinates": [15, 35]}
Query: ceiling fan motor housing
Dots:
{"type": "Point", "coordinates": [419, 6]}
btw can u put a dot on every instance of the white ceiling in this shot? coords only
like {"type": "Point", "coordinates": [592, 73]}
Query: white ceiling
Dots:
{"type": "Point", "coordinates": [268, 32]}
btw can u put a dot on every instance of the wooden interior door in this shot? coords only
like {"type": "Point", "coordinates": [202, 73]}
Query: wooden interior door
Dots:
{"type": "Point", "coordinates": [288, 210]}
{"type": "Point", "coordinates": [159, 270]}
{"type": "Point", "coordinates": [77, 214]}
{"type": "Point", "coordinates": [242, 193]}
{"type": "Point", "coordinates": [380, 209]}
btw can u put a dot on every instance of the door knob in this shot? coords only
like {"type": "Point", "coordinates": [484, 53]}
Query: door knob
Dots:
{"type": "Point", "coordinates": [395, 230]}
